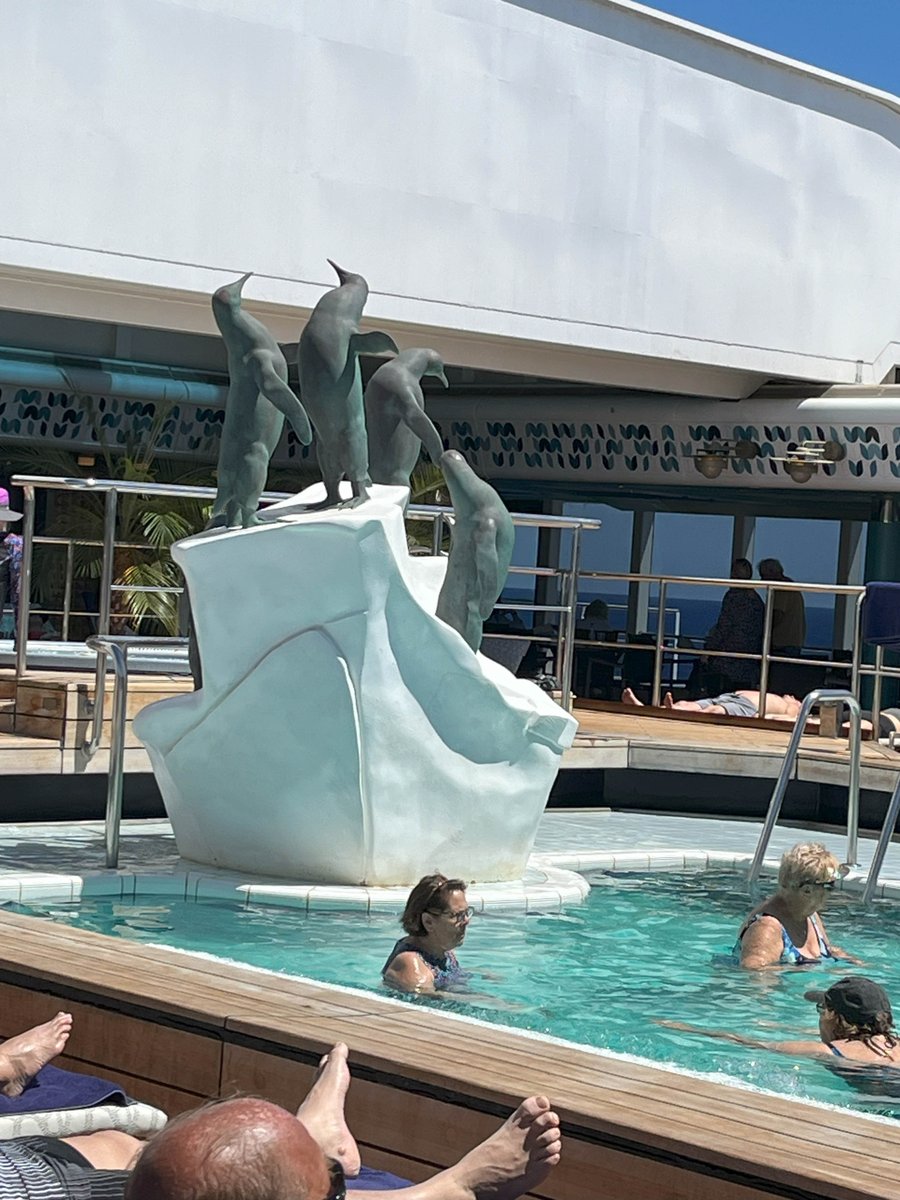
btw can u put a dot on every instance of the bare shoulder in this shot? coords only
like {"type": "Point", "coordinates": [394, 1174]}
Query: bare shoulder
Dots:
{"type": "Point", "coordinates": [408, 973]}
{"type": "Point", "coordinates": [762, 942]}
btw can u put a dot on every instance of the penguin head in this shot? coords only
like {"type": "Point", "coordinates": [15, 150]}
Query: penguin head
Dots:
{"type": "Point", "coordinates": [348, 278]}
{"type": "Point", "coordinates": [435, 367]}
{"type": "Point", "coordinates": [228, 297]}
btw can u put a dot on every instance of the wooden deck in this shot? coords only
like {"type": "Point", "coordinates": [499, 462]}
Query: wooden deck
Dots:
{"type": "Point", "coordinates": [174, 1029]}
{"type": "Point", "coordinates": [630, 737]}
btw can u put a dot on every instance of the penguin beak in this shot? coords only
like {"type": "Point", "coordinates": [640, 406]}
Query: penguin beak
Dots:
{"type": "Point", "coordinates": [342, 275]}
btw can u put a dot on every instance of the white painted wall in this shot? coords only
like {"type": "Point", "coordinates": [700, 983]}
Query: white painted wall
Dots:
{"type": "Point", "coordinates": [574, 188]}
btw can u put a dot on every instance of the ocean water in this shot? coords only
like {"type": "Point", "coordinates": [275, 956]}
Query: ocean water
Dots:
{"type": "Point", "coordinates": [641, 949]}
{"type": "Point", "coordinates": [697, 616]}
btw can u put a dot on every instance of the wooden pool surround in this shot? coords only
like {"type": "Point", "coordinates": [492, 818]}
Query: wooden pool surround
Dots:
{"type": "Point", "coordinates": [174, 1029]}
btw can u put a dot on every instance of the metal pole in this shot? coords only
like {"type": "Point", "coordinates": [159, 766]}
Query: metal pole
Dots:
{"type": "Point", "coordinates": [569, 621]}
{"type": "Point", "coordinates": [109, 551]}
{"type": "Point", "coordinates": [857, 647]}
{"type": "Point", "coordinates": [780, 788]}
{"type": "Point", "coordinates": [877, 685]}
{"type": "Point", "coordinates": [23, 617]}
{"type": "Point", "coordinates": [660, 643]}
{"type": "Point", "coordinates": [67, 594]}
{"type": "Point", "coordinates": [116, 755]}
{"type": "Point", "coordinates": [437, 533]}
{"type": "Point", "coordinates": [766, 651]}
{"type": "Point", "coordinates": [92, 745]}
{"type": "Point", "coordinates": [884, 840]}
{"type": "Point", "coordinates": [853, 782]}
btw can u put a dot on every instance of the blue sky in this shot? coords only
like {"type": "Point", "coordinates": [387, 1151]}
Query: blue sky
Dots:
{"type": "Point", "coordinates": [857, 38]}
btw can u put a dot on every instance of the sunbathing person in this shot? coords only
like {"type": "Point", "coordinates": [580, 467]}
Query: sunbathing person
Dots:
{"type": "Point", "coordinates": [249, 1145]}
{"type": "Point", "coordinates": [743, 703]}
{"type": "Point", "coordinates": [855, 1024]}
{"type": "Point", "coordinates": [786, 928]}
{"type": "Point", "coordinates": [435, 918]}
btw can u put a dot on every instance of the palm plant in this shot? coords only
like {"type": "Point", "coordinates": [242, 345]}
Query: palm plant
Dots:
{"type": "Point", "coordinates": [426, 486]}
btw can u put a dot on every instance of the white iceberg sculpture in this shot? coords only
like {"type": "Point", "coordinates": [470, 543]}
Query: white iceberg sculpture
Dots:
{"type": "Point", "coordinates": [343, 734]}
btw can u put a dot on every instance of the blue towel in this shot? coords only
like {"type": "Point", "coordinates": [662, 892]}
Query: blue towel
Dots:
{"type": "Point", "coordinates": [881, 615]}
{"type": "Point", "coordinates": [53, 1088]}
{"type": "Point", "coordinates": [369, 1180]}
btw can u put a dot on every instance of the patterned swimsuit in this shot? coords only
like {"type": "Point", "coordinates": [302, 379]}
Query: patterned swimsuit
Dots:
{"type": "Point", "coordinates": [446, 970]}
{"type": "Point", "coordinates": [789, 952]}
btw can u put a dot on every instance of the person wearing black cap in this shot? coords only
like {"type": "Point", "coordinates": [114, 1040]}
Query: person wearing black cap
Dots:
{"type": "Point", "coordinates": [855, 1023]}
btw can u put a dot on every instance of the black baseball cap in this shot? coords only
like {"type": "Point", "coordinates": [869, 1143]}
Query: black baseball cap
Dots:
{"type": "Point", "coordinates": [857, 999]}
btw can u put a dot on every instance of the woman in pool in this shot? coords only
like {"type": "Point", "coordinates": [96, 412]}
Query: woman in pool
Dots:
{"type": "Point", "coordinates": [786, 929]}
{"type": "Point", "coordinates": [436, 918]}
{"type": "Point", "coordinates": [855, 1023]}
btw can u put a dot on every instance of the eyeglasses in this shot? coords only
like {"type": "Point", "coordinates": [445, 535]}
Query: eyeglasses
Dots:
{"type": "Point", "coordinates": [458, 918]}
{"type": "Point", "coordinates": [338, 1183]}
{"type": "Point", "coordinates": [821, 1006]}
{"type": "Point", "coordinates": [827, 884]}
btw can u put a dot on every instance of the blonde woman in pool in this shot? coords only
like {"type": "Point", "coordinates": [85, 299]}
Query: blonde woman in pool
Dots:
{"type": "Point", "coordinates": [786, 928]}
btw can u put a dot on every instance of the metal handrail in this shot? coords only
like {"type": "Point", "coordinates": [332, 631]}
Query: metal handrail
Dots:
{"type": "Point", "coordinates": [438, 514]}
{"type": "Point", "coordinates": [115, 648]}
{"type": "Point", "coordinates": [819, 696]}
{"type": "Point", "coordinates": [884, 840]}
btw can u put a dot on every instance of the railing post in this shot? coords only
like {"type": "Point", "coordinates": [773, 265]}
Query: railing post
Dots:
{"type": "Point", "coordinates": [109, 554]}
{"type": "Point", "coordinates": [23, 616]}
{"type": "Point", "coordinates": [857, 646]}
{"type": "Point", "coordinates": [67, 593]}
{"type": "Point", "coordinates": [437, 533]}
{"type": "Point", "coordinates": [766, 651]}
{"type": "Point", "coordinates": [116, 755]}
{"type": "Point", "coordinates": [569, 621]}
{"type": "Point", "coordinates": [660, 643]}
{"type": "Point", "coordinates": [853, 782]}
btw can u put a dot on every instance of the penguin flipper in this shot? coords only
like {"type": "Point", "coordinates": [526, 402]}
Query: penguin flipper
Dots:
{"type": "Point", "coordinates": [277, 392]}
{"type": "Point", "coordinates": [489, 585]}
{"type": "Point", "coordinates": [374, 342]}
{"type": "Point", "coordinates": [418, 422]}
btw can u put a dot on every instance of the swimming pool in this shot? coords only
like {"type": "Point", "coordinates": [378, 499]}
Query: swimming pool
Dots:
{"type": "Point", "coordinates": [641, 948]}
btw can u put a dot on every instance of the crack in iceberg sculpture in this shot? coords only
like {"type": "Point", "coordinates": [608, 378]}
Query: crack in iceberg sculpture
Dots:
{"type": "Point", "coordinates": [344, 734]}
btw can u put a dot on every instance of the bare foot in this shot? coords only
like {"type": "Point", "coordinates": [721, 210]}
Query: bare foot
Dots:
{"type": "Point", "coordinates": [510, 1163]}
{"type": "Point", "coordinates": [628, 697]}
{"type": "Point", "coordinates": [22, 1056]}
{"type": "Point", "coordinates": [322, 1112]}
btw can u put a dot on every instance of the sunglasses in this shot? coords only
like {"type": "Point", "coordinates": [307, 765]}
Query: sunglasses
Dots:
{"type": "Point", "coordinates": [337, 1182]}
{"type": "Point", "coordinates": [458, 918]}
{"type": "Point", "coordinates": [827, 884]}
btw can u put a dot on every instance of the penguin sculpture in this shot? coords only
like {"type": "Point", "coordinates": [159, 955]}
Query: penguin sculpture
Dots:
{"type": "Point", "coordinates": [258, 401]}
{"type": "Point", "coordinates": [331, 384]}
{"type": "Point", "coordinates": [397, 423]}
{"type": "Point", "coordinates": [480, 550]}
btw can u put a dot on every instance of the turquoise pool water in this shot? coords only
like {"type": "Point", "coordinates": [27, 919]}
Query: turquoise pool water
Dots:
{"type": "Point", "coordinates": [641, 948]}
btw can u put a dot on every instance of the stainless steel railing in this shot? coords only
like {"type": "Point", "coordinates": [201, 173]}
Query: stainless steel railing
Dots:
{"type": "Point", "coordinates": [822, 696]}
{"type": "Point", "coordinates": [115, 650]}
{"type": "Point", "coordinates": [566, 577]}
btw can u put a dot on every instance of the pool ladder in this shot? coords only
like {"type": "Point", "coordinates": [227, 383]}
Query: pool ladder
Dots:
{"type": "Point", "coordinates": [844, 699]}
{"type": "Point", "coordinates": [110, 647]}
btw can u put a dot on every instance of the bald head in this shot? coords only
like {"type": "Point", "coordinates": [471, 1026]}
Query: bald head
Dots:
{"type": "Point", "coordinates": [243, 1149]}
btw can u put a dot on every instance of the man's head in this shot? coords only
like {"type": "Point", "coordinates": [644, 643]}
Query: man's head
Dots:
{"type": "Point", "coordinates": [771, 568]}
{"type": "Point", "coordinates": [245, 1149]}
{"type": "Point", "coordinates": [742, 568]}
